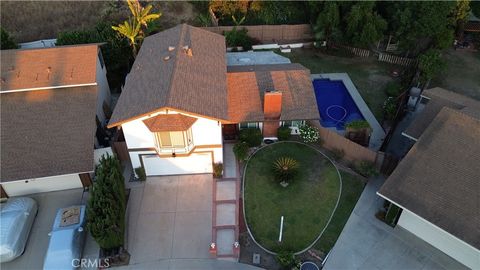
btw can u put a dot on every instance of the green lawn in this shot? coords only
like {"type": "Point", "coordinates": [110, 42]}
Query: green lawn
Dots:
{"type": "Point", "coordinates": [369, 75]}
{"type": "Point", "coordinates": [306, 204]}
{"type": "Point", "coordinates": [352, 188]}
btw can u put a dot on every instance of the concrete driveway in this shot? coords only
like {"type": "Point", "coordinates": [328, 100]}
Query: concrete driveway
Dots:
{"type": "Point", "coordinates": [170, 217]}
{"type": "Point", "coordinates": [367, 243]}
{"type": "Point", "coordinates": [37, 243]}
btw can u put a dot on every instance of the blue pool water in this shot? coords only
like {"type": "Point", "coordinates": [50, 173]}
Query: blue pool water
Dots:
{"type": "Point", "coordinates": [335, 105]}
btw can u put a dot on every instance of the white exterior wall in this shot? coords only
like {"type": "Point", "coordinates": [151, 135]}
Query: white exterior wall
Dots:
{"type": "Point", "coordinates": [45, 184]}
{"type": "Point", "coordinates": [103, 90]}
{"type": "Point", "coordinates": [205, 132]}
{"type": "Point", "coordinates": [440, 239]}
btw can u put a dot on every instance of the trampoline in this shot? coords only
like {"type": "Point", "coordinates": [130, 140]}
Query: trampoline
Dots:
{"type": "Point", "coordinates": [335, 105]}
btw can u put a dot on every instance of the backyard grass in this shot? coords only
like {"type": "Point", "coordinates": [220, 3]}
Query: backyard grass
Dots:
{"type": "Point", "coordinates": [352, 188]}
{"type": "Point", "coordinates": [306, 203]}
{"type": "Point", "coordinates": [369, 75]}
{"type": "Point", "coordinates": [462, 74]}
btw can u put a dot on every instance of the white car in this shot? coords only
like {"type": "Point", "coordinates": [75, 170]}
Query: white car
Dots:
{"type": "Point", "coordinates": [16, 220]}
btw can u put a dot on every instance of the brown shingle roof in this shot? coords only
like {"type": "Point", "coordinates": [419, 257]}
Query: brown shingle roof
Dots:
{"type": "Point", "coordinates": [48, 67]}
{"type": "Point", "coordinates": [439, 177]}
{"type": "Point", "coordinates": [440, 98]}
{"type": "Point", "coordinates": [246, 86]}
{"type": "Point", "coordinates": [195, 84]}
{"type": "Point", "coordinates": [169, 122]}
{"type": "Point", "coordinates": [47, 132]}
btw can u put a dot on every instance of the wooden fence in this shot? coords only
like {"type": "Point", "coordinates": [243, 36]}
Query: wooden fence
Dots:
{"type": "Point", "coordinates": [271, 33]}
{"type": "Point", "coordinates": [357, 51]}
{"type": "Point", "coordinates": [334, 141]}
{"type": "Point", "coordinates": [397, 60]}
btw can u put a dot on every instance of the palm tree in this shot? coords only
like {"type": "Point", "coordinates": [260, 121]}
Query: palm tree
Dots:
{"type": "Point", "coordinates": [131, 30]}
{"type": "Point", "coordinates": [141, 14]}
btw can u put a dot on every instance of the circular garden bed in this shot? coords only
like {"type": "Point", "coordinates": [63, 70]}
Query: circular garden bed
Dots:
{"type": "Point", "coordinates": [307, 203]}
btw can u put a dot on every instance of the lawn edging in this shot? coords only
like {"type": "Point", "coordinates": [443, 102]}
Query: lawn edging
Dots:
{"type": "Point", "coordinates": [243, 197]}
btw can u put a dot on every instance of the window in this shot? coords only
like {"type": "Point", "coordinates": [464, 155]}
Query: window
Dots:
{"type": "Point", "coordinates": [178, 141]}
{"type": "Point", "coordinates": [248, 125]}
{"type": "Point", "coordinates": [296, 123]}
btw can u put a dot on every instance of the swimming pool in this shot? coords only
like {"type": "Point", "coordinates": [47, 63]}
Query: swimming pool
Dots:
{"type": "Point", "coordinates": [335, 105]}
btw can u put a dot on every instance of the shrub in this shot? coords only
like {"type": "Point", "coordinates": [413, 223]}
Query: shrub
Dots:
{"type": "Point", "coordinates": [285, 169]}
{"type": "Point", "coordinates": [237, 37]}
{"type": "Point", "coordinates": [366, 168]}
{"type": "Point", "coordinates": [309, 134]}
{"type": "Point", "coordinates": [283, 133]}
{"type": "Point", "coordinates": [140, 172]}
{"type": "Point", "coordinates": [285, 259]}
{"type": "Point", "coordinates": [7, 41]}
{"type": "Point", "coordinates": [358, 124]}
{"type": "Point", "coordinates": [393, 89]}
{"type": "Point", "coordinates": [217, 170]}
{"type": "Point", "coordinates": [252, 136]}
{"type": "Point", "coordinates": [106, 206]}
{"type": "Point", "coordinates": [338, 154]}
{"type": "Point", "coordinates": [240, 150]}
{"type": "Point", "coordinates": [390, 108]}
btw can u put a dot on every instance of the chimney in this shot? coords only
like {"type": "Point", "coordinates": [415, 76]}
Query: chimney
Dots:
{"type": "Point", "coordinates": [272, 105]}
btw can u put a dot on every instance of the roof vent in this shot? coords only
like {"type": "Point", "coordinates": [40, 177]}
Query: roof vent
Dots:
{"type": "Point", "coordinates": [171, 48]}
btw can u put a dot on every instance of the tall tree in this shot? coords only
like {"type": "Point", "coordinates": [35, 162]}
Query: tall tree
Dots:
{"type": "Point", "coordinates": [106, 206]}
{"type": "Point", "coordinates": [363, 25]}
{"type": "Point", "coordinates": [460, 15]}
{"type": "Point", "coordinates": [327, 24]}
{"type": "Point", "coordinates": [430, 65]}
{"type": "Point", "coordinates": [423, 24]}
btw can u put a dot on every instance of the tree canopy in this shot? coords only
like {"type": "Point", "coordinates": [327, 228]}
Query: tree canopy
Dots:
{"type": "Point", "coordinates": [363, 25]}
{"type": "Point", "coordinates": [423, 24]}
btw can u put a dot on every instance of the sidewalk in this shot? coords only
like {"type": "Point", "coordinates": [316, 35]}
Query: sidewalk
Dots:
{"type": "Point", "coordinates": [368, 243]}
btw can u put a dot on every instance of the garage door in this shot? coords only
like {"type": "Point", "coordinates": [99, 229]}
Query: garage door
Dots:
{"type": "Point", "coordinates": [195, 163]}
{"type": "Point", "coordinates": [30, 186]}
{"type": "Point", "coordinates": [440, 239]}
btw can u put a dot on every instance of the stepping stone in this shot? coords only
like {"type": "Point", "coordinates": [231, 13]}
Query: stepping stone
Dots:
{"type": "Point", "coordinates": [225, 240]}
{"type": "Point", "coordinates": [225, 214]}
{"type": "Point", "coordinates": [226, 190]}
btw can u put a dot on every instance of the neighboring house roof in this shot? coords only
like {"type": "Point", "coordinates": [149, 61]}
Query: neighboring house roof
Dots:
{"type": "Point", "coordinates": [48, 67]}
{"type": "Point", "coordinates": [169, 122]}
{"type": "Point", "coordinates": [439, 177]}
{"type": "Point", "coordinates": [165, 76]}
{"type": "Point", "coordinates": [47, 132]}
{"type": "Point", "coordinates": [440, 98]}
{"type": "Point", "coordinates": [255, 58]}
{"type": "Point", "coordinates": [247, 84]}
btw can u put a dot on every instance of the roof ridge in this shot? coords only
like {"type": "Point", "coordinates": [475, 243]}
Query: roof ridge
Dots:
{"type": "Point", "coordinates": [174, 69]}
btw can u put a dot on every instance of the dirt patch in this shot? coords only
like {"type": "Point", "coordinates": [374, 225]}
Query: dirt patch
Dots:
{"type": "Point", "coordinates": [34, 20]}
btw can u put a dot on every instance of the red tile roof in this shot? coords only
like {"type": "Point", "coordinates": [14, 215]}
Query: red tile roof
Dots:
{"type": "Point", "coordinates": [247, 85]}
{"type": "Point", "coordinates": [169, 122]}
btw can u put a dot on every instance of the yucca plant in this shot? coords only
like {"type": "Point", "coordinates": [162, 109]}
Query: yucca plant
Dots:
{"type": "Point", "coordinates": [285, 169]}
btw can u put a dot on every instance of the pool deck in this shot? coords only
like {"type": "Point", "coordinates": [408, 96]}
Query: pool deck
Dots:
{"type": "Point", "coordinates": [378, 134]}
